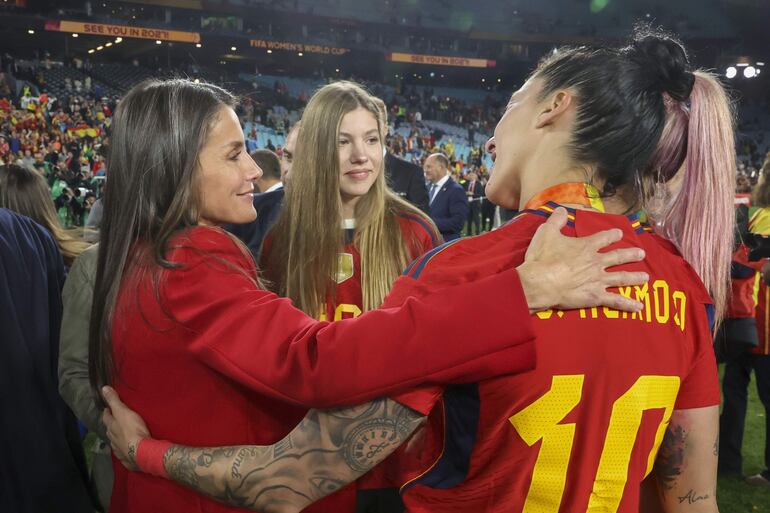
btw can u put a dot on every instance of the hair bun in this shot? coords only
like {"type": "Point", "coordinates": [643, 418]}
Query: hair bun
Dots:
{"type": "Point", "coordinates": [664, 62]}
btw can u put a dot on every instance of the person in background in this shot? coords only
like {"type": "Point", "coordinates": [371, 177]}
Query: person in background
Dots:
{"type": "Point", "coordinates": [339, 219]}
{"type": "Point", "coordinates": [74, 385]}
{"type": "Point", "coordinates": [474, 191]}
{"type": "Point", "coordinates": [404, 178]}
{"type": "Point", "coordinates": [287, 154]}
{"type": "Point", "coordinates": [42, 466]}
{"type": "Point", "coordinates": [745, 344]}
{"type": "Point", "coordinates": [25, 191]}
{"type": "Point", "coordinates": [446, 198]}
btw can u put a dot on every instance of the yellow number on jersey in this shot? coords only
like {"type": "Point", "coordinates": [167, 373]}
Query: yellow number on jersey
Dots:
{"type": "Point", "coordinates": [541, 421]}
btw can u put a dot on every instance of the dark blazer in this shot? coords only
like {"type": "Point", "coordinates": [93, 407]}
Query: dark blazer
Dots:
{"type": "Point", "coordinates": [449, 210]}
{"type": "Point", "coordinates": [42, 466]}
{"type": "Point", "coordinates": [407, 180]}
{"type": "Point", "coordinates": [268, 206]}
{"type": "Point", "coordinates": [478, 194]}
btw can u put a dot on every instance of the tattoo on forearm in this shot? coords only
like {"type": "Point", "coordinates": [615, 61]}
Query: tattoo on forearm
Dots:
{"type": "Point", "coordinates": [716, 446]}
{"type": "Point", "coordinates": [327, 450]}
{"type": "Point", "coordinates": [668, 465]}
{"type": "Point", "coordinates": [691, 497]}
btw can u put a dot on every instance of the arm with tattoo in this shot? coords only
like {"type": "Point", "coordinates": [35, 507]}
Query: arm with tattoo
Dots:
{"type": "Point", "coordinates": [686, 466]}
{"type": "Point", "coordinates": [327, 450]}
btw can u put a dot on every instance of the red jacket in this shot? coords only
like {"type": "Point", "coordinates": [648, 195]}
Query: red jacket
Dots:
{"type": "Point", "coordinates": [223, 362]}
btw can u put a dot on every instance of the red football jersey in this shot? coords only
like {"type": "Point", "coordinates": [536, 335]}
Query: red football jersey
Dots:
{"type": "Point", "coordinates": [348, 302]}
{"type": "Point", "coordinates": [582, 430]}
{"type": "Point", "coordinates": [348, 299]}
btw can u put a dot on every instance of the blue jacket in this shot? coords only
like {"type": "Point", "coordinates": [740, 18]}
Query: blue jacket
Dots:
{"type": "Point", "coordinates": [449, 210]}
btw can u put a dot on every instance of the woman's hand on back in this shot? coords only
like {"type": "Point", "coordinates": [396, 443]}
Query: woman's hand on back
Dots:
{"type": "Point", "coordinates": [125, 428]}
{"type": "Point", "coordinates": [570, 272]}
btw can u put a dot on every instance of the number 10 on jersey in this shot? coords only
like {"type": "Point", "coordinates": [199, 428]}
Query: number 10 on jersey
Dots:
{"type": "Point", "coordinates": [540, 421]}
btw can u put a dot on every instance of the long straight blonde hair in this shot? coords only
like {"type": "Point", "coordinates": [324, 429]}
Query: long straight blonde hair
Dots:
{"type": "Point", "coordinates": [307, 237]}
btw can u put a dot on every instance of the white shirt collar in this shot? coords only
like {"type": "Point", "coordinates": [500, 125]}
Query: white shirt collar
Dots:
{"type": "Point", "coordinates": [274, 187]}
{"type": "Point", "coordinates": [441, 182]}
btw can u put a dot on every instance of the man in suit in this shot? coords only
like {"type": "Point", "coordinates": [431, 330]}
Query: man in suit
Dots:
{"type": "Point", "coordinates": [267, 203]}
{"type": "Point", "coordinates": [475, 193]}
{"type": "Point", "coordinates": [406, 179]}
{"type": "Point", "coordinates": [447, 200]}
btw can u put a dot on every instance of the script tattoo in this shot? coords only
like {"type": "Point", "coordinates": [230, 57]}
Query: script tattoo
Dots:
{"type": "Point", "coordinates": [691, 497]}
{"type": "Point", "coordinates": [668, 466]}
{"type": "Point", "coordinates": [327, 450]}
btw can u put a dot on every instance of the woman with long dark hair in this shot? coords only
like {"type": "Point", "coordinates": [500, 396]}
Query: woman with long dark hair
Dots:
{"type": "Point", "coordinates": [183, 328]}
{"type": "Point", "coordinates": [614, 396]}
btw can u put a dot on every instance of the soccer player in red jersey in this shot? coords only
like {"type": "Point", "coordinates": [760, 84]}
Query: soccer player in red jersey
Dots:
{"type": "Point", "coordinates": [614, 395]}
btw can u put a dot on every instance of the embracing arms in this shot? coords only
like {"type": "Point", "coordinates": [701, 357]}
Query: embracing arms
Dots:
{"type": "Point", "coordinates": [326, 451]}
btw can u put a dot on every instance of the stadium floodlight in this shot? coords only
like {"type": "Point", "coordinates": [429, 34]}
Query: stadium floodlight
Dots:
{"type": "Point", "coordinates": [99, 48]}
{"type": "Point", "coordinates": [74, 35]}
{"type": "Point", "coordinates": [108, 44]}
{"type": "Point", "coordinates": [198, 45]}
{"type": "Point", "coordinates": [30, 31]}
{"type": "Point", "coordinates": [197, 80]}
{"type": "Point", "coordinates": [499, 80]}
{"type": "Point", "coordinates": [91, 50]}
{"type": "Point", "coordinates": [232, 48]}
{"type": "Point", "coordinates": [269, 50]}
{"type": "Point", "coordinates": [432, 74]}
{"type": "Point", "coordinates": [760, 64]}
{"type": "Point", "coordinates": [118, 40]}
{"type": "Point", "coordinates": [731, 72]}
{"type": "Point", "coordinates": [750, 72]}
{"type": "Point", "coordinates": [483, 79]}
{"type": "Point", "coordinates": [157, 41]}
{"type": "Point", "coordinates": [337, 70]}
{"type": "Point", "coordinates": [300, 54]}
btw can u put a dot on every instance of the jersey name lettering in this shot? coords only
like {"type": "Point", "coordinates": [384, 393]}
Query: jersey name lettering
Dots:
{"type": "Point", "coordinates": [661, 305]}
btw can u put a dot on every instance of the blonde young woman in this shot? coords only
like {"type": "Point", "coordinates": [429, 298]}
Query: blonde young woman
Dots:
{"type": "Point", "coordinates": [343, 237]}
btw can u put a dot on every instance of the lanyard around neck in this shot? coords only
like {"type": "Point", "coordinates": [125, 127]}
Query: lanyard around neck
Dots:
{"type": "Point", "coordinates": [574, 193]}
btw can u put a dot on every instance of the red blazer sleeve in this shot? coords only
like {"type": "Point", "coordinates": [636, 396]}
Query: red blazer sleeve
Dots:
{"type": "Point", "coordinates": [267, 345]}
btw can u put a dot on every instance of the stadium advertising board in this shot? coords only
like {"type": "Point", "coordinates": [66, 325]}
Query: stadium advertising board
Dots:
{"type": "Point", "coordinates": [103, 29]}
{"type": "Point", "coordinates": [441, 60]}
{"type": "Point", "coordinates": [297, 47]}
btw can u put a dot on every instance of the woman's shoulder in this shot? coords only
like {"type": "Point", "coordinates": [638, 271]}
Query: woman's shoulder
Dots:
{"type": "Point", "coordinates": [415, 223]}
{"type": "Point", "coordinates": [202, 243]}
